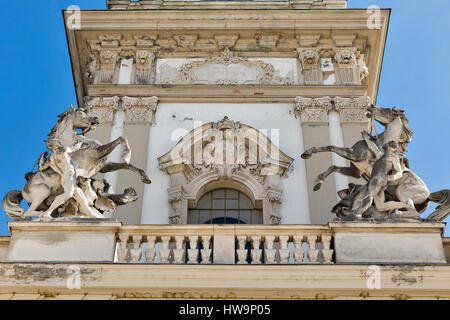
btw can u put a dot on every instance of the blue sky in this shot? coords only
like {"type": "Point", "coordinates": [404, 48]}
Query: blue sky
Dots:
{"type": "Point", "coordinates": [37, 84]}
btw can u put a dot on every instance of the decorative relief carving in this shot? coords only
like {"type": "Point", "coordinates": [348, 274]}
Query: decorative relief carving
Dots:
{"type": "Point", "coordinates": [332, 66]}
{"type": "Point", "coordinates": [309, 59]}
{"type": "Point", "coordinates": [313, 109]}
{"type": "Point", "coordinates": [144, 63]}
{"type": "Point", "coordinates": [352, 109]}
{"type": "Point", "coordinates": [186, 41]}
{"type": "Point", "coordinates": [228, 40]}
{"type": "Point", "coordinates": [102, 108]}
{"type": "Point", "coordinates": [317, 109]}
{"type": "Point", "coordinates": [268, 40]}
{"type": "Point", "coordinates": [139, 109]}
{"type": "Point", "coordinates": [225, 152]}
{"type": "Point", "coordinates": [108, 62]}
{"type": "Point", "coordinates": [145, 40]}
{"type": "Point", "coordinates": [228, 69]}
{"type": "Point", "coordinates": [308, 40]}
{"type": "Point", "coordinates": [347, 70]}
{"type": "Point", "coordinates": [91, 68]}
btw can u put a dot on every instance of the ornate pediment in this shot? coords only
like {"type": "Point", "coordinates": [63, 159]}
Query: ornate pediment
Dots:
{"type": "Point", "coordinates": [226, 148]}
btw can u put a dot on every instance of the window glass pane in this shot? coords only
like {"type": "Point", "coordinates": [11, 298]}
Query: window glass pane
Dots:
{"type": "Point", "coordinates": [232, 204]}
{"type": "Point", "coordinates": [218, 214]}
{"type": "Point", "coordinates": [245, 216]}
{"type": "Point", "coordinates": [205, 202]}
{"type": "Point", "coordinates": [232, 194]}
{"type": "Point", "coordinates": [205, 217]}
{"type": "Point", "coordinates": [233, 215]}
{"type": "Point", "coordinates": [219, 193]}
{"type": "Point", "coordinates": [245, 202]}
{"type": "Point", "coordinates": [218, 204]}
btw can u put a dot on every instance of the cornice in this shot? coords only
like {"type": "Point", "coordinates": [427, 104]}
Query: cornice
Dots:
{"type": "Point", "coordinates": [238, 93]}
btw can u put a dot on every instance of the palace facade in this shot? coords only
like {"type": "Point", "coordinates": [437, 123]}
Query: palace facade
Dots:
{"type": "Point", "coordinates": [218, 100]}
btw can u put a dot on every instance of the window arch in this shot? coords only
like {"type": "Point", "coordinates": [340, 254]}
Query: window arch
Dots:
{"type": "Point", "coordinates": [224, 206]}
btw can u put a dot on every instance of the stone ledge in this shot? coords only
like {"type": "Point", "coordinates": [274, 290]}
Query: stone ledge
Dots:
{"type": "Point", "coordinates": [118, 281]}
{"type": "Point", "coordinates": [62, 241]}
{"type": "Point", "coordinates": [388, 243]}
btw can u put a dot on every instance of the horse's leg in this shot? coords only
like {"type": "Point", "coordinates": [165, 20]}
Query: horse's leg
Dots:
{"type": "Point", "coordinates": [38, 194]}
{"type": "Point", "coordinates": [106, 149]}
{"type": "Point", "coordinates": [351, 171]}
{"type": "Point", "coordinates": [346, 153]}
{"type": "Point", "coordinates": [113, 166]}
{"type": "Point", "coordinates": [84, 205]}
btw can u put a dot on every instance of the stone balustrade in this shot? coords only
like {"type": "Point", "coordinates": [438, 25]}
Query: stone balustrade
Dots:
{"type": "Point", "coordinates": [334, 243]}
{"type": "Point", "coordinates": [205, 244]}
{"type": "Point", "coordinates": [284, 244]}
{"type": "Point", "coordinates": [164, 244]}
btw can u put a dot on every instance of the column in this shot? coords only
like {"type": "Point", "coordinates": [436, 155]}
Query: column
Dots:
{"type": "Point", "coordinates": [118, 126]}
{"type": "Point", "coordinates": [313, 113]}
{"type": "Point", "coordinates": [337, 139]}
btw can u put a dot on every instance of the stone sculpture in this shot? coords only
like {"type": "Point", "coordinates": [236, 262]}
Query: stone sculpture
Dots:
{"type": "Point", "coordinates": [392, 191]}
{"type": "Point", "coordinates": [63, 186]}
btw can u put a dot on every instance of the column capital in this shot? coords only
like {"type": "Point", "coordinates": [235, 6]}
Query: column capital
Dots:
{"type": "Point", "coordinates": [352, 109]}
{"type": "Point", "coordinates": [103, 108]}
{"type": "Point", "coordinates": [313, 109]}
{"type": "Point", "coordinates": [140, 109]}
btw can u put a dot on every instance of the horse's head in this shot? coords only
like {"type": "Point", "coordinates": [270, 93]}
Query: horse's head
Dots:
{"type": "Point", "coordinates": [394, 117]}
{"type": "Point", "coordinates": [81, 119]}
{"type": "Point", "coordinates": [384, 115]}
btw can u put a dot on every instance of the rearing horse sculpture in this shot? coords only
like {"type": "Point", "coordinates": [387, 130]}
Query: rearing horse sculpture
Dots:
{"type": "Point", "coordinates": [365, 152]}
{"type": "Point", "coordinates": [407, 188]}
{"type": "Point", "coordinates": [44, 189]}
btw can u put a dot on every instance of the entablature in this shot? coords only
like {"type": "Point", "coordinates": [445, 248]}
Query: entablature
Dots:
{"type": "Point", "coordinates": [108, 37]}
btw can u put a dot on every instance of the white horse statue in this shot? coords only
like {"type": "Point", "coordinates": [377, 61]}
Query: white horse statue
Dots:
{"type": "Point", "coordinates": [381, 197]}
{"type": "Point", "coordinates": [66, 175]}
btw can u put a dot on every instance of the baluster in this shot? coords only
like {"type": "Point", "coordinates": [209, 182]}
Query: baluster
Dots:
{"type": "Point", "coordinates": [178, 252]}
{"type": "Point", "coordinates": [206, 251]}
{"type": "Point", "coordinates": [193, 251]}
{"type": "Point", "coordinates": [270, 252]}
{"type": "Point", "coordinates": [150, 252]}
{"type": "Point", "coordinates": [165, 250]}
{"type": "Point", "coordinates": [299, 253]}
{"type": "Point", "coordinates": [256, 251]}
{"type": "Point", "coordinates": [122, 250]}
{"type": "Point", "coordinates": [284, 251]}
{"type": "Point", "coordinates": [313, 253]}
{"type": "Point", "coordinates": [241, 251]}
{"type": "Point", "coordinates": [136, 250]}
{"type": "Point", "coordinates": [326, 251]}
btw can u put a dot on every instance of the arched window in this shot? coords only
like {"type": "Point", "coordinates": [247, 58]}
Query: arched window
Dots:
{"type": "Point", "coordinates": [225, 206]}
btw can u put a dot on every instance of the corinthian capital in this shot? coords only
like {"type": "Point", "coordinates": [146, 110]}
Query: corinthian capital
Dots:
{"type": "Point", "coordinates": [313, 109]}
{"type": "Point", "coordinates": [102, 107]}
{"type": "Point", "coordinates": [140, 109]}
{"type": "Point", "coordinates": [352, 109]}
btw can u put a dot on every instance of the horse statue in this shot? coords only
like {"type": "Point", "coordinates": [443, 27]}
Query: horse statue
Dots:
{"type": "Point", "coordinates": [400, 195]}
{"type": "Point", "coordinates": [65, 178]}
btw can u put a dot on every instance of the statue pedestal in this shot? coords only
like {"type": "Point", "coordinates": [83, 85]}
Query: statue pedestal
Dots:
{"type": "Point", "coordinates": [63, 241]}
{"type": "Point", "coordinates": [389, 243]}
